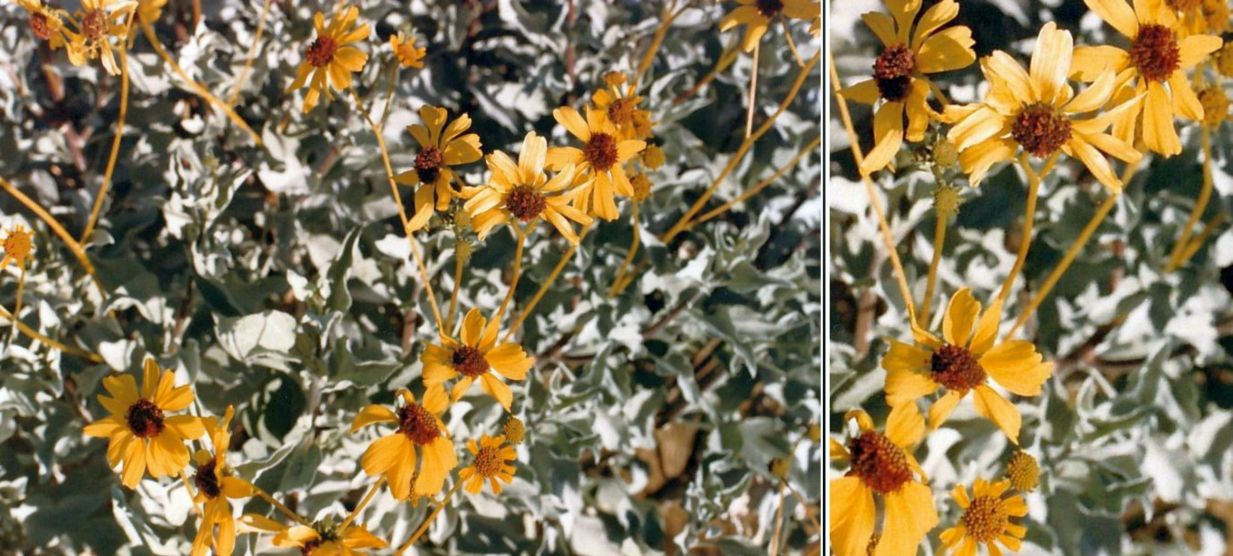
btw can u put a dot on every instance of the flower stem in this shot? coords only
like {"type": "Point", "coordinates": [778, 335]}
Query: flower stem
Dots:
{"type": "Point", "coordinates": [191, 496]}
{"type": "Point", "coordinates": [1206, 234]}
{"type": "Point", "coordinates": [623, 280]}
{"type": "Point", "coordinates": [363, 502]}
{"type": "Point", "coordinates": [543, 289]}
{"type": "Point", "coordinates": [757, 188]}
{"type": "Point", "coordinates": [1029, 219]}
{"type": "Point", "coordinates": [1178, 257]}
{"type": "Point", "coordinates": [753, 90]}
{"type": "Point", "coordinates": [729, 55]}
{"type": "Point", "coordinates": [55, 227]}
{"type": "Point", "coordinates": [35, 335]}
{"type": "Point", "coordinates": [931, 282]}
{"type": "Point", "coordinates": [513, 285]}
{"type": "Point", "coordinates": [423, 528]}
{"type": "Point", "coordinates": [284, 509]}
{"type": "Point", "coordinates": [242, 78]}
{"type": "Point", "coordinates": [787, 33]}
{"type": "Point", "coordinates": [661, 32]}
{"type": "Point", "coordinates": [458, 269]}
{"type": "Point", "coordinates": [101, 196]}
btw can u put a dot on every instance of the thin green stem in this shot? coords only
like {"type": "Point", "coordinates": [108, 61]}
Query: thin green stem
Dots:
{"type": "Point", "coordinates": [423, 528]}
{"type": "Point", "coordinates": [363, 503]}
{"type": "Point", "coordinates": [101, 196]}
{"type": "Point", "coordinates": [543, 289]}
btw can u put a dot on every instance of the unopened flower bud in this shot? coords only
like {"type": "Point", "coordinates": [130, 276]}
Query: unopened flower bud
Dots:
{"type": "Point", "coordinates": [946, 201]}
{"type": "Point", "coordinates": [1023, 472]}
{"type": "Point", "coordinates": [514, 430]}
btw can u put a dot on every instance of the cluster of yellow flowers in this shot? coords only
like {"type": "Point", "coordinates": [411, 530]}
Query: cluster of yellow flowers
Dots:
{"type": "Point", "coordinates": [1126, 111]}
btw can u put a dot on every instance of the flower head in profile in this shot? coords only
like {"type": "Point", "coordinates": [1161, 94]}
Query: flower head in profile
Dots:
{"type": "Point", "coordinates": [618, 100]}
{"type": "Point", "coordinates": [46, 23]}
{"type": "Point", "coordinates": [476, 355]}
{"type": "Point", "coordinates": [900, 73]}
{"type": "Point", "coordinates": [986, 519]}
{"type": "Point", "coordinates": [18, 243]}
{"type": "Point", "coordinates": [1154, 67]}
{"type": "Point", "coordinates": [441, 147]}
{"type": "Point", "coordinates": [326, 538]}
{"type": "Point", "coordinates": [492, 456]}
{"type": "Point", "coordinates": [1036, 112]}
{"type": "Point", "coordinates": [881, 465]}
{"type": "Point", "coordinates": [408, 55]}
{"type": "Point", "coordinates": [331, 58]}
{"type": "Point", "coordinates": [100, 22]}
{"type": "Point", "coordinates": [962, 361]}
{"type": "Point", "coordinates": [757, 16]}
{"type": "Point", "coordinates": [522, 192]}
{"type": "Point", "coordinates": [601, 160]}
{"type": "Point", "coordinates": [141, 434]}
{"type": "Point", "coordinates": [216, 484]}
{"type": "Point", "coordinates": [420, 432]}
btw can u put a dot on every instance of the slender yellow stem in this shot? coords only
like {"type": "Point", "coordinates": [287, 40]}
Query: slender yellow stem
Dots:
{"type": "Point", "coordinates": [35, 335]}
{"type": "Point", "coordinates": [363, 502]}
{"type": "Point", "coordinates": [55, 227]}
{"type": "Point", "coordinates": [931, 282]}
{"type": "Point", "coordinates": [284, 509]}
{"type": "Point", "coordinates": [1205, 194]}
{"type": "Point", "coordinates": [1206, 234]}
{"type": "Point", "coordinates": [389, 93]}
{"type": "Point", "coordinates": [787, 33]}
{"type": "Point", "coordinates": [753, 90]}
{"type": "Point", "coordinates": [777, 531]}
{"type": "Point", "coordinates": [543, 289]}
{"type": "Point", "coordinates": [729, 55]}
{"type": "Point", "coordinates": [21, 287]}
{"type": "Point", "coordinates": [101, 196]}
{"type": "Point", "coordinates": [458, 269]}
{"type": "Point", "coordinates": [1029, 220]}
{"type": "Point", "coordinates": [757, 188]}
{"type": "Point", "coordinates": [423, 528]}
{"type": "Point", "coordinates": [887, 240]}
{"type": "Point", "coordinates": [619, 283]}
{"type": "Point", "coordinates": [666, 20]}
{"type": "Point", "coordinates": [813, 519]}
{"type": "Point", "coordinates": [242, 78]}
{"type": "Point", "coordinates": [513, 284]}
{"type": "Point", "coordinates": [741, 151]}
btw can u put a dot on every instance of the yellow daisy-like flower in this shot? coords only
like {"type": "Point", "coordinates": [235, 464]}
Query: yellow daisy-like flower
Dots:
{"type": "Point", "coordinates": [331, 59]}
{"type": "Point", "coordinates": [141, 434]}
{"type": "Point", "coordinates": [622, 108]}
{"type": "Point", "coordinates": [1037, 111]}
{"type": "Point", "coordinates": [600, 160]}
{"type": "Point", "coordinates": [215, 485]}
{"type": "Point", "coordinates": [881, 465]}
{"type": "Point", "coordinates": [1201, 16]}
{"type": "Point", "coordinates": [18, 243]}
{"type": "Point", "coordinates": [963, 361]}
{"type": "Point", "coordinates": [46, 23]}
{"type": "Point", "coordinates": [476, 357]}
{"type": "Point", "coordinates": [101, 21]}
{"type": "Point", "coordinates": [491, 462]}
{"type": "Point", "coordinates": [523, 192]}
{"type": "Point", "coordinates": [419, 429]}
{"type": "Point", "coordinates": [325, 538]}
{"type": "Point", "coordinates": [409, 56]}
{"type": "Point", "coordinates": [899, 72]}
{"type": "Point", "coordinates": [757, 15]}
{"type": "Point", "coordinates": [438, 152]}
{"type": "Point", "coordinates": [986, 519]}
{"type": "Point", "coordinates": [1153, 67]}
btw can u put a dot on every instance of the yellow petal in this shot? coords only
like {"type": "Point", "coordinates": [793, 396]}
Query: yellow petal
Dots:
{"type": "Point", "coordinates": [977, 160]}
{"type": "Point", "coordinates": [946, 51]}
{"type": "Point", "coordinates": [910, 515]}
{"type": "Point", "coordinates": [1185, 103]}
{"type": "Point", "coordinates": [1158, 132]}
{"type": "Point", "coordinates": [510, 361]}
{"type": "Point", "coordinates": [888, 137]}
{"type": "Point", "coordinates": [864, 92]}
{"type": "Point", "coordinates": [994, 407]}
{"type": "Point", "coordinates": [852, 516]}
{"type": "Point", "coordinates": [1000, 65]}
{"type": "Point", "coordinates": [572, 122]}
{"type": "Point", "coordinates": [373, 414]}
{"type": "Point", "coordinates": [1094, 161]}
{"type": "Point", "coordinates": [472, 326]}
{"type": "Point", "coordinates": [1117, 14]}
{"type": "Point", "coordinates": [987, 328]}
{"type": "Point", "coordinates": [497, 389]}
{"type": "Point", "coordinates": [1089, 62]}
{"type": "Point", "coordinates": [960, 315]}
{"type": "Point", "coordinates": [1195, 48]}
{"type": "Point", "coordinates": [905, 426]}
{"type": "Point", "coordinates": [940, 14]}
{"type": "Point", "coordinates": [941, 409]}
{"type": "Point", "coordinates": [1095, 96]}
{"type": "Point", "coordinates": [882, 26]}
{"type": "Point", "coordinates": [1017, 366]}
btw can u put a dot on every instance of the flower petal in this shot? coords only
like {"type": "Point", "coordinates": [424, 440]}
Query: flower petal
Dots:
{"type": "Point", "coordinates": [994, 407]}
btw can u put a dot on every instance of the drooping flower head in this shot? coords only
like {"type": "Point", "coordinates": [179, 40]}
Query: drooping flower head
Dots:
{"type": "Point", "coordinates": [141, 434]}
{"type": "Point", "coordinates": [601, 160]}
{"type": "Point", "coordinates": [100, 22]}
{"type": "Point", "coordinates": [441, 147]}
{"type": "Point", "coordinates": [420, 432]}
{"type": "Point", "coordinates": [1154, 67]}
{"type": "Point", "coordinates": [1035, 111]}
{"type": "Point", "coordinates": [900, 72]}
{"type": "Point", "coordinates": [408, 55]}
{"type": "Point", "coordinates": [326, 538]}
{"type": "Point", "coordinates": [522, 192]}
{"type": "Point", "coordinates": [476, 355]}
{"type": "Point", "coordinates": [881, 465]}
{"type": "Point", "coordinates": [986, 519]}
{"type": "Point", "coordinates": [331, 58]}
{"type": "Point", "coordinates": [962, 361]}
{"type": "Point", "coordinates": [757, 16]}
{"type": "Point", "coordinates": [216, 484]}
{"type": "Point", "coordinates": [492, 456]}
{"type": "Point", "coordinates": [46, 23]}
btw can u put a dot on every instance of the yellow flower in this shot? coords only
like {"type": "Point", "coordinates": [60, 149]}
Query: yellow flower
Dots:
{"type": "Point", "coordinates": [899, 72]}
{"type": "Point", "coordinates": [1224, 60]}
{"type": "Point", "coordinates": [962, 361]}
{"type": "Point", "coordinates": [476, 357]}
{"type": "Point", "coordinates": [1036, 110]}
{"type": "Point", "coordinates": [986, 519]}
{"type": "Point", "coordinates": [419, 427]}
{"type": "Point", "coordinates": [600, 160]}
{"type": "Point", "coordinates": [882, 465]}
{"type": "Point", "coordinates": [215, 484]}
{"type": "Point", "coordinates": [100, 22]}
{"type": "Point", "coordinates": [756, 16]}
{"type": "Point", "coordinates": [523, 192]}
{"type": "Point", "coordinates": [409, 56]}
{"type": "Point", "coordinates": [438, 152]}
{"type": "Point", "coordinates": [46, 23]}
{"type": "Point", "coordinates": [1156, 59]}
{"type": "Point", "coordinates": [491, 457]}
{"type": "Point", "coordinates": [622, 108]}
{"type": "Point", "coordinates": [1201, 16]}
{"type": "Point", "coordinates": [325, 539]}
{"type": "Point", "coordinates": [331, 59]}
{"type": "Point", "coordinates": [18, 242]}
{"type": "Point", "coordinates": [514, 430]}
{"type": "Point", "coordinates": [150, 10]}
{"type": "Point", "coordinates": [141, 433]}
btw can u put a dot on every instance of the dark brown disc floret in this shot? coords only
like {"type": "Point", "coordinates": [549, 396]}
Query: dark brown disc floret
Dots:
{"type": "Point", "coordinates": [145, 419]}
{"type": "Point", "coordinates": [892, 71]}
{"type": "Point", "coordinates": [525, 203]}
{"type": "Point", "coordinates": [469, 362]}
{"type": "Point", "coordinates": [94, 25]}
{"type": "Point", "coordinates": [1155, 52]}
{"type": "Point", "coordinates": [418, 424]}
{"type": "Point", "coordinates": [879, 462]}
{"type": "Point", "coordinates": [1040, 130]}
{"type": "Point", "coordinates": [956, 368]}
{"type": "Point", "coordinates": [321, 51]}
{"type": "Point", "coordinates": [601, 151]}
{"type": "Point", "coordinates": [770, 8]}
{"type": "Point", "coordinates": [428, 164]}
{"type": "Point", "coordinates": [206, 480]}
{"type": "Point", "coordinates": [40, 26]}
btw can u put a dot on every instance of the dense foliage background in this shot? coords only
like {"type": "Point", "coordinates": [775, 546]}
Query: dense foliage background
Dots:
{"type": "Point", "coordinates": [277, 279]}
{"type": "Point", "coordinates": [1133, 433]}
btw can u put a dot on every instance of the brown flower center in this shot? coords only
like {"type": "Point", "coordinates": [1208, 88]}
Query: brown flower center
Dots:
{"type": "Point", "coordinates": [985, 519]}
{"type": "Point", "coordinates": [488, 461]}
{"type": "Point", "coordinates": [1155, 52]}
{"type": "Point", "coordinates": [879, 462]}
{"type": "Point", "coordinates": [892, 72]}
{"type": "Point", "coordinates": [145, 419]}
{"type": "Point", "coordinates": [770, 8]}
{"type": "Point", "coordinates": [1040, 130]}
{"type": "Point", "coordinates": [601, 151]}
{"type": "Point", "coordinates": [622, 110]}
{"type": "Point", "coordinates": [40, 26]}
{"type": "Point", "coordinates": [956, 368]}
{"type": "Point", "coordinates": [206, 481]}
{"type": "Point", "coordinates": [469, 362]}
{"type": "Point", "coordinates": [310, 546]}
{"type": "Point", "coordinates": [94, 25]}
{"type": "Point", "coordinates": [418, 424]}
{"type": "Point", "coordinates": [428, 164]}
{"type": "Point", "coordinates": [525, 203]}
{"type": "Point", "coordinates": [321, 51]}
